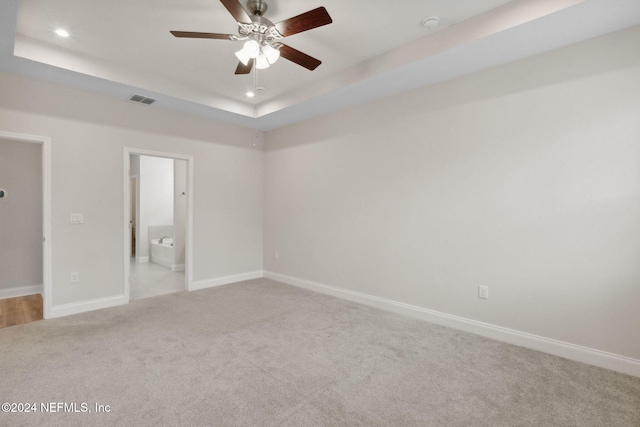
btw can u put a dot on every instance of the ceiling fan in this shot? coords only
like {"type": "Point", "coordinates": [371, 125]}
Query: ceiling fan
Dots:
{"type": "Point", "coordinates": [263, 46]}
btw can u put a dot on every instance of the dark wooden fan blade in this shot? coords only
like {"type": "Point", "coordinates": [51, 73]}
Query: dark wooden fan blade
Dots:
{"type": "Point", "coordinates": [196, 35]}
{"type": "Point", "coordinates": [244, 69]}
{"type": "Point", "coordinates": [309, 20]}
{"type": "Point", "coordinates": [237, 11]}
{"type": "Point", "coordinates": [299, 58]}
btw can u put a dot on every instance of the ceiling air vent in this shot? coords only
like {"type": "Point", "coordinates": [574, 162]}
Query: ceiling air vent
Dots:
{"type": "Point", "coordinates": [142, 99]}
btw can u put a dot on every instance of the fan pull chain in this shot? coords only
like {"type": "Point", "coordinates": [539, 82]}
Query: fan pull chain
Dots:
{"type": "Point", "coordinates": [255, 79]}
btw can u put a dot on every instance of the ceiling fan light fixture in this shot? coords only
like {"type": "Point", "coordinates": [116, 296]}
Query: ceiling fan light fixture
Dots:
{"type": "Point", "coordinates": [272, 54]}
{"type": "Point", "coordinates": [243, 56]}
{"type": "Point", "coordinates": [251, 49]}
{"type": "Point", "coordinates": [262, 62]}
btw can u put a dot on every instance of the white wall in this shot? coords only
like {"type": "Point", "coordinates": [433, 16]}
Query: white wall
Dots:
{"type": "Point", "coordinates": [89, 133]}
{"type": "Point", "coordinates": [524, 178]}
{"type": "Point", "coordinates": [20, 217]}
{"type": "Point", "coordinates": [156, 198]}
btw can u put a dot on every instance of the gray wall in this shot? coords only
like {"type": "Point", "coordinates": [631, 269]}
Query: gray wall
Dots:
{"type": "Point", "coordinates": [20, 214]}
{"type": "Point", "coordinates": [88, 135]}
{"type": "Point", "coordinates": [524, 178]}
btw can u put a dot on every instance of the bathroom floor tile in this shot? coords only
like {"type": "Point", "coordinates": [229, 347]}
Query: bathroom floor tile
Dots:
{"type": "Point", "coordinates": [149, 280]}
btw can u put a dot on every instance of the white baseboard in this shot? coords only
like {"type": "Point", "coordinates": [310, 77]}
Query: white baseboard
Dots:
{"type": "Point", "coordinates": [20, 291]}
{"type": "Point", "coordinates": [84, 306]}
{"type": "Point", "coordinates": [178, 267]}
{"type": "Point", "coordinates": [203, 284]}
{"type": "Point", "coordinates": [97, 304]}
{"type": "Point", "coordinates": [142, 259]}
{"type": "Point", "coordinates": [165, 262]}
{"type": "Point", "coordinates": [570, 351]}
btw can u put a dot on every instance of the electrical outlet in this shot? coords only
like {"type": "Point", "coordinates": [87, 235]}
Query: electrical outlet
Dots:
{"type": "Point", "coordinates": [276, 255]}
{"type": "Point", "coordinates": [77, 218]}
{"type": "Point", "coordinates": [483, 292]}
{"type": "Point", "coordinates": [75, 277]}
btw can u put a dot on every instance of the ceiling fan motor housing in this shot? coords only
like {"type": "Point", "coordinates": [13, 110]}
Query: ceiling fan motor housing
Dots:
{"type": "Point", "coordinates": [261, 28]}
{"type": "Point", "coordinates": [257, 7]}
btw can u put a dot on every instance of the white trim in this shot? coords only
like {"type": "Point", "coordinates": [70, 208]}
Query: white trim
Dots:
{"type": "Point", "coordinates": [47, 287]}
{"type": "Point", "coordinates": [177, 267]}
{"type": "Point", "coordinates": [135, 179]}
{"type": "Point", "coordinates": [165, 262]}
{"type": "Point", "coordinates": [85, 306]}
{"type": "Point", "coordinates": [20, 291]}
{"type": "Point", "coordinates": [142, 259]}
{"type": "Point", "coordinates": [127, 207]}
{"type": "Point", "coordinates": [220, 281]}
{"type": "Point", "coordinates": [567, 350]}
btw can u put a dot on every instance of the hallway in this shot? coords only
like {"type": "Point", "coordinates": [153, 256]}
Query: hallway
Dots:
{"type": "Point", "coordinates": [19, 310]}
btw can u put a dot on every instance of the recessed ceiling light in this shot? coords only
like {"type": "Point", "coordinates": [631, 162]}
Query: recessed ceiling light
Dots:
{"type": "Point", "coordinates": [62, 33]}
{"type": "Point", "coordinates": [250, 94]}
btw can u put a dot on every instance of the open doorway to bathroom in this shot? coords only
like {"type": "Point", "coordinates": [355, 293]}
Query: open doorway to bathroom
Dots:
{"type": "Point", "coordinates": [157, 224]}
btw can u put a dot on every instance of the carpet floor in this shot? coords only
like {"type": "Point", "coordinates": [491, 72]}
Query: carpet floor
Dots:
{"type": "Point", "coordinates": [261, 353]}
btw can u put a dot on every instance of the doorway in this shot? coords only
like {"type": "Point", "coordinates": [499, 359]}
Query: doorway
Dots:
{"type": "Point", "coordinates": [158, 223]}
{"type": "Point", "coordinates": [25, 206]}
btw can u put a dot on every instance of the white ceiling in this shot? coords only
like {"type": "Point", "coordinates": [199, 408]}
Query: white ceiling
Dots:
{"type": "Point", "coordinates": [371, 50]}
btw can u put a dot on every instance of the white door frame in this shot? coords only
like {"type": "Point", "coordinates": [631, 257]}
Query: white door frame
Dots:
{"type": "Point", "coordinates": [127, 210]}
{"type": "Point", "coordinates": [45, 141]}
{"type": "Point", "coordinates": [133, 179]}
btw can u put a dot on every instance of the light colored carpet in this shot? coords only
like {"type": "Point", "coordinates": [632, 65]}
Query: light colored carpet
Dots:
{"type": "Point", "coordinates": [261, 353]}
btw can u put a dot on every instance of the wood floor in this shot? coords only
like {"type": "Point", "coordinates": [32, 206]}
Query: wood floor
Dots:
{"type": "Point", "coordinates": [19, 310]}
